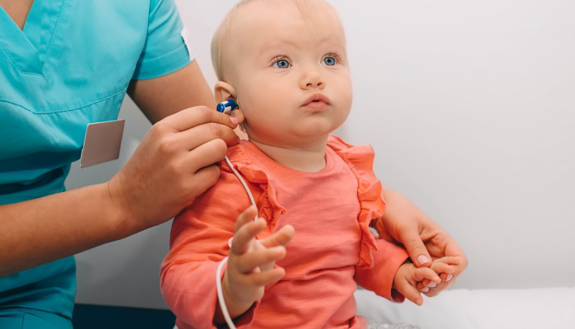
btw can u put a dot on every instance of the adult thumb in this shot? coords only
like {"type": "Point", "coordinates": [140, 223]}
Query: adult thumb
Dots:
{"type": "Point", "coordinates": [416, 249]}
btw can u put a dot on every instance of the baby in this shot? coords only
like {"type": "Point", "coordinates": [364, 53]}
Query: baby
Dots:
{"type": "Point", "coordinates": [298, 264]}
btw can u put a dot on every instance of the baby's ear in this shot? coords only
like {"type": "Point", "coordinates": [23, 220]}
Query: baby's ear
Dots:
{"type": "Point", "coordinates": [224, 91]}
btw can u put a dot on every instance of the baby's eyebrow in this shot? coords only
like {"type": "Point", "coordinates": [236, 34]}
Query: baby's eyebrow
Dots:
{"type": "Point", "coordinates": [282, 45]}
{"type": "Point", "coordinates": [276, 47]}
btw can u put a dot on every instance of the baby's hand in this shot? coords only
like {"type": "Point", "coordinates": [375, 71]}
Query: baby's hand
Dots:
{"type": "Point", "coordinates": [408, 276]}
{"type": "Point", "coordinates": [251, 262]}
{"type": "Point", "coordinates": [447, 269]}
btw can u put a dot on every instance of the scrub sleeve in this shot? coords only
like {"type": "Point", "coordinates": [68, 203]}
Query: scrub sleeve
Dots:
{"type": "Point", "coordinates": [71, 65]}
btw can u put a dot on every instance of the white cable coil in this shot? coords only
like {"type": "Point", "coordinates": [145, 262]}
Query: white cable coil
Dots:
{"type": "Point", "coordinates": [221, 300]}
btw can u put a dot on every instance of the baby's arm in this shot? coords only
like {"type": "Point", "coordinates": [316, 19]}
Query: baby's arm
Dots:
{"type": "Point", "coordinates": [386, 261]}
{"type": "Point", "coordinates": [198, 243]}
{"type": "Point", "coordinates": [392, 275]}
{"type": "Point", "coordinates": [251, 264]}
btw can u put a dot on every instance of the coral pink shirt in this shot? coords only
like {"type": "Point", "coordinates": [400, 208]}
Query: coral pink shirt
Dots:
{"type": "Point", "coordinates": [331, 250]}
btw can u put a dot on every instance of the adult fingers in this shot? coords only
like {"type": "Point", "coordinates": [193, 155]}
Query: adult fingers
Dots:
{"type": "Point", "coordinates": [194, 116]}
{"type": "Point", "coordinates": [428, 285]}
{"type": "Point", "coordinates": [239, 115]}
{"type": "Point", "coordinates": [280, 238]}
{"type": "Point", "coordinates": [202, 180]}
{"type": "Point", "coordinates": [444, 269]}
{"type": "Point", "coordinates": [200, 134]}
{"type": "Point", "coordinates": [415, 247]}
{"type": "Point", "coordinates": [249, 261]}
{"type": "Point", "coordinates": [205, 154]}
{"type": "Point", "coordinates": [245, 235]}
{"type": "Point", "coordinates": [448, 260]}
{"type": "Point", "coordinates": [453, 249]}
{"type": "Point", "coordinates": [434, 291]}
{"type": "Point", "coordinates": [426, 279]}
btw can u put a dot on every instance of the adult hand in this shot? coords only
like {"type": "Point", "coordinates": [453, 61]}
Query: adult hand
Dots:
{"type": "Point", "coordinates": [447, 268]}
{"type": "Point", "coordinates": [174, 163]}
{"type": "Point", "coordinates": [421, 236]}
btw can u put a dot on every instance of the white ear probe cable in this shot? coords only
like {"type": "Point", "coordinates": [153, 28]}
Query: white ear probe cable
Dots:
{"type": "Point", "coordinates": [227, 105]}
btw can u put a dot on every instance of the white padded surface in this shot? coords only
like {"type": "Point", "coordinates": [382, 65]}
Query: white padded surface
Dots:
{"type": "Point", "coordinates": [550, 308]}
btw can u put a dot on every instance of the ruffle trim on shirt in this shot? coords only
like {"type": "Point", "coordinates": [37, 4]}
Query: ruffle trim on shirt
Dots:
{"type": "Point", "coordinates": [369, 192]}
{"type": "Point", "coordinates": [268, 206]}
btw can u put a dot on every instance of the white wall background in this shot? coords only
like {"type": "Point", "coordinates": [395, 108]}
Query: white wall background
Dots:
{"type": "Point", "coordinates": [470, 106]}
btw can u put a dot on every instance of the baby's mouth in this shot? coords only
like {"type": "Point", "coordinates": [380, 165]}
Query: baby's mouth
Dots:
{"type": "Point", "coordinates": [317, 99]}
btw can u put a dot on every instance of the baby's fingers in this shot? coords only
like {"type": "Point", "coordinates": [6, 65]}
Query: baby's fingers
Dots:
{"type": "Point", "coordinates": [279, 238]}
{"type": "Point", "coordinates": [409, 291]}
{"type": "Point", "coordinates": [260, 279]}
{"type": "Point", "coordinates": [245, 217]}
{"type": "Point", "coordinates": [248, 262]}
{"type": "Point", "coordinates": [446, 267]}
{"type": "Point", "coordinates": [425, 273]}
{"type": "Point", "coordinates": [447, 272]}
{"type": "Point", "coordinates": [245, 234]}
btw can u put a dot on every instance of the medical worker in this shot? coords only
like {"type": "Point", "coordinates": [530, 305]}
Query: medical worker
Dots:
{"type": "Point", "coordinates": [65, 64]}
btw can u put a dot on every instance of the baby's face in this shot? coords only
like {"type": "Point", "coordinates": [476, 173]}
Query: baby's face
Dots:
{"type": "Point", "coordinates": [290, 73]}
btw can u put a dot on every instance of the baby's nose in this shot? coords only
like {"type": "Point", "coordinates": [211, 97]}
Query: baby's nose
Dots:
{"type": "Point", "coordinates": [312, 80]}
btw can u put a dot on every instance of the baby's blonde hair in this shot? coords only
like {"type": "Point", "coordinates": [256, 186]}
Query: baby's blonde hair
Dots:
{"type": "Point", "coordinates": [222, 34]}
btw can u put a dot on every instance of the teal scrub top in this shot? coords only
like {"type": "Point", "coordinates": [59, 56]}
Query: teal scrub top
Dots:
{"type": "Point", "coordinates": [70, 66]}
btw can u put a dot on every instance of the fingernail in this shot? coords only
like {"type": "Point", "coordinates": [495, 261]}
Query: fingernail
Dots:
{"type": "Point", "coordinates": [431, 284]}
{"type": "Point", "coordinates": [426, 289]}
{"type": "Point", "coordinates": [449, 277]}
{"type": "Point", "coordinates": [234, 120]}
{"type": "Point", "coordinates": [422, 259]}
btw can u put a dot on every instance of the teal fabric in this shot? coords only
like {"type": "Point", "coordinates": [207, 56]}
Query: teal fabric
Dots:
{"type": "Point", "coordinates": [23, 318]}
{"type": "Point", "coordinates": [70, 66]}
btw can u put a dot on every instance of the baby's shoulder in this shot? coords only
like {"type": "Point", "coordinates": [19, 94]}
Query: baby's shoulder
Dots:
{"type": "Point", "coordinates": [350, 152]}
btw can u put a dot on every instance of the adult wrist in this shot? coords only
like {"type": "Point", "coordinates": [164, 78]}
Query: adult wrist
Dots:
{"type": "Point", "coordinates": [124, 222]}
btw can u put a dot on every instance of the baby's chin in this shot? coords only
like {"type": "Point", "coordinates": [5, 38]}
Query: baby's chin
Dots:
{"type": "Point", "coordinates": [315, 130]}
{"type": "Point", "coordinates": [296, 140]}
{"type": "Point", "coordinates": [297, 134]}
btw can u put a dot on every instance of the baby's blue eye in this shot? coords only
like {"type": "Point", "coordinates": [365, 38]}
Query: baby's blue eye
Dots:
{"type": "Point", "coordinates": [282, 64]}
{"type": "Point", "coordinates": [329, 61]}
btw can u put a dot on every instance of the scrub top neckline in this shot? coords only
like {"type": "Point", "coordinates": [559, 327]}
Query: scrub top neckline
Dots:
{"type": "Point", "coordinates": [29, 48]}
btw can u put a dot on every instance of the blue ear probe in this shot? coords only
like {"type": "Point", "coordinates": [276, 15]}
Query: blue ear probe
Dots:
{"type": "Point", "coordinates": [227, 106]}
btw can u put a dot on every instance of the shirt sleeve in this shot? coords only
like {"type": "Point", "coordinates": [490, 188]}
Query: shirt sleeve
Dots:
{"type": "Point", "coordinates": [379, 278]}
{"type": "Point", "coordinates": [198, 243]}
{"type": "Point", "coordinates": [165, 50]}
